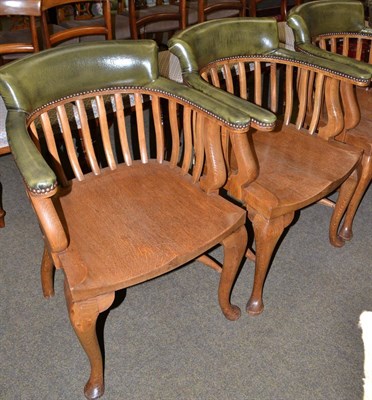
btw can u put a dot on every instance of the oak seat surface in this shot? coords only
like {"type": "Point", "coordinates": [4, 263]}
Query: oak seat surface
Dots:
{"type": "Point", "coordinates": [277, 157]}
{"type": "Point", "coordinates": [116, 238]}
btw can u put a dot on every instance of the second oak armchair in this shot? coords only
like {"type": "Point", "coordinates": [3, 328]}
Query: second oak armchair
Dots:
{"type": "Point", "coordinates": [296, 164]}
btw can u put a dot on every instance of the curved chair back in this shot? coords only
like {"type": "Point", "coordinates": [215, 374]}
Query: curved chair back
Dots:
{"type": "Point", "coordinates": [335, 26]}
{"type": "Point", "coordinates": [242, 56]}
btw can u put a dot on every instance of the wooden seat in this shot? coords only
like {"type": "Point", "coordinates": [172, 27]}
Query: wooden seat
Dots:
{"type": "Point", "coordinates": [148, 200]}
{"type": "Point", "coordinates": [337, 31]}
{"type": "Point", "coordinates": [274, 174]}
{"type": "Point", "coordinates": [69, 31]}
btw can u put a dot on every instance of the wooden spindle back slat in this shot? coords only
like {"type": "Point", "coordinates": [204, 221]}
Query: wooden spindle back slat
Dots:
{"type": "Point", "coordinates": [159, 131]}
{"type": "Point", "coordinates": [257, 83]}
{"type": "Point", "coordinates": [141, 127]}
{"type": "Point", "coordinates": [69, 142]}
{"type": "Point", "coordinates": [302, 95]}
{"type": "Point", "coordinates": [317, 103]}
{"type": "Point", "coordinates": [187, 156]}
{"type": "Point", "coordinates": [52, 147]}
{"type": "Point", "coordinates": [228, 79]}
{"type": "Point", "coordinates": [288, 94]}
{"type": "Point", "coordinates": [173, 119]}
{"type": "Point", "coordinates": [105, 132]}
{"type": "Point", "coordinates": [199, 147]}
{"type": "Point", "coordinates": [120, 118]}
{"type": "Point", "coordinates": [242, 81]}
{"type": "Point", "coordinates": [215, 78]}
{"type": "Point", "coordinates": [346, 47]}
{"type": "Point", "coordinates": [86, 137]}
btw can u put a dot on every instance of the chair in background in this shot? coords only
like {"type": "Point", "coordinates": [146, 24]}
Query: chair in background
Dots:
{"type": "Point", "coordinates": [143, 206]}
{"type": "Point", "coordinates": [155, 20]}
{"type": "Point", "coordinates": [257, 8]}
{"type": "Point", "coordinates": [19, 42]}
{"type": "Point", "coordinates": [296, 163]}
{"type": "Point", "coordinates": [215, 9]}
{"type": "Point", "coordinates": [82, 26]}
{"type": "Point", "coordinates": [336, 30]}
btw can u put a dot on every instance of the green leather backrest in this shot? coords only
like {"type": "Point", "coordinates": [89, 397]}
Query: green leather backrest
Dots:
{"type": "Point", "coordinates": [227, 37]}
{"type": "Point", "coordinates": [97, 66]}
{"type": "Point", "coordinates": [325, 16]}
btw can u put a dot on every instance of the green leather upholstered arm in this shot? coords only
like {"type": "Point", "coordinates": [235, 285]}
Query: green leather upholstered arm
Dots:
{"type": "Point", "coordinates": [238, 37]}
{"type": "Point", "coordinates": [35, 81]}
{"type": "Point", "coordinates": [325, 17]}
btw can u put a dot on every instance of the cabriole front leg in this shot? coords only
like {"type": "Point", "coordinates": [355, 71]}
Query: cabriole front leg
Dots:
{"type": "Point", "coordinates": [346, 192]}
{"type": "Point", "coordinates": [234, 249]}
{"type": "Point", "coordinates": [83, 317]}
{"type": "Point", "coordinates": [267, 233]}
{"type": "Point", "coordinates": [346, 231]}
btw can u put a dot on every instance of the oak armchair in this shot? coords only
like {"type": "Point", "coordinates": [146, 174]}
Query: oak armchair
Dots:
{"type": "Point", "coordinates": [336, 30]}
{"type": "Point", "coordinates": [298, 163]}
{"type": "Point", "coordinates": [146, 202]}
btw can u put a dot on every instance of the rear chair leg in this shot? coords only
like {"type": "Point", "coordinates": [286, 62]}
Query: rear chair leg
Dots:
{"type": "Point", "coordinates": [346, 231]}
{"type": "Point", "coordinates": [234, 249]}
{"type": "Point", "coordinates": [267, 234]}
{"type": "Point", "coordinates": [345, 194]}
{"type": "Point", "coordinates": [83, 317]}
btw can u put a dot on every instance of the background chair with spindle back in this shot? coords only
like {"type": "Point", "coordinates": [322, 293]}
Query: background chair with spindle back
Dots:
{"type": "Point", "coordinates": [297, 164]}
{"type": "Point", "coordinates": [336, 30]}
{"type": "Point", "coordinates": [82, 26]}
{"type": "Point", "coordinates": [157, 21]}
{"type": "Point", "coordinates": [141, 207]}
{"type": "Point", "coordinates": [20, 41]}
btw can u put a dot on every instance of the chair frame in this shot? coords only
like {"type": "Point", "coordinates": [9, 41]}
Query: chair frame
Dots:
{"type": "Point", "coordinates": [206, 66]}
{"type": "Point", "coordinates": [202, 172]}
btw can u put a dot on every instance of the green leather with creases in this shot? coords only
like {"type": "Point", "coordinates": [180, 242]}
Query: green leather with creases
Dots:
{"type": "Point", "coordinates": [323, 17]}
{"type": "Point", "coordinates": [35, 81]}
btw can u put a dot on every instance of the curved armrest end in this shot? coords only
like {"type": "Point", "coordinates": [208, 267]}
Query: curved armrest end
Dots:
{"type": "Point", "coordinates": [38, 176]}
